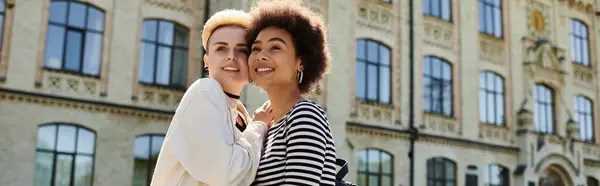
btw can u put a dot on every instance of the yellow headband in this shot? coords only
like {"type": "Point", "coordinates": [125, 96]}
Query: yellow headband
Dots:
{"type": "Point", "coordinates": [222, 18]}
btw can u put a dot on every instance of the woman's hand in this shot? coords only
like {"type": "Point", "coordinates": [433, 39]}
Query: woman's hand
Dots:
{"type": "Point", "coordinates": [263, 113]}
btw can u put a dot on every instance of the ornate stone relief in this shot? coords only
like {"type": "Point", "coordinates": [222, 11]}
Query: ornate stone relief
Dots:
{"type": "Point", "coordinates": [441, 124]}
{"type": "Point", "coordinates": [494, 133]}
{"type": "Point", "coordinates": [591, 150]}
{"type": "Point", "coordinates": [586, 6]}
{"type": "Point", "coordinates": [318, 6]}
{"type": "Point", "coordinates": [367, 112]}
{"type": "Point", "coordinates": [584, 76]}
{"type": "Point", "coordinates": [491, 49]}
{"type": "Point", "coordinates": [157, 97]}
{"type": "Point", "coordinates": [539, 22]}
{"type": "Point", "coordinates": [375, 16]}
{"type": "Point", "coordinates": [438, 33]}
{"type": "Point", "coordinates": [175, 5]}
{"type": "Point", "coordinates": [72, 85]}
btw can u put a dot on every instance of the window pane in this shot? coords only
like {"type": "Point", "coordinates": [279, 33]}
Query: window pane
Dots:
{"type": "Point", "coordinates": [584, 50]}
{"type": "Point", "coordinates": [386, 181]}
{"type": "Point", "coordinates": [430, 169]}
{"type": "Point", "coordinates": [43, 168]}
{"type": "Point", "coordinates": [439, 169]}
{"type": "Point", "coordinates": [66, 138]}
{"type": "Point", "coordinates": [497, 22]}
{"type": "Point", "coordinates": [447, 73]}
{"type": "Point", "coordinates": [427, 66]}
{"type": "Point", "coordinates": [372, 53]}
{"type": "Point", "coordinates": [374, 161]}
{"type": "Point", "coordinates": [86, 141]}
{"type": "Point", "coordinates": [360, 49]}
{"type": "Point", "coordinates": [142, 147]}
{"type": "Point", "coordinates": [446, 9]}
{"type": "Point", "coordinates": [362, 179]}
{"type": "Point", "coordinates": [426, 7]}
{"type": "Point", "coordinates": [93, 54]}
{"type": "Point", "coordinates": [447, 99]}
{"type": "Point", "coordinates": [372, 82]}
{"type": "Point", "coordinates": [490, 108]}
{"type": "Point", "coordinates": [489, 19]}
{"type": "Point", "coordinates": [163, 68]}
{"type": "Point", "coordinates": [436, 68]}
{"type": "Point", "coordinates": [449, 170]}
{"type": "Point", "coordinates": [166, 32]}
{"type": "Point", "coordinates": [362, 160]}
{"type": "Point", "coordinates": [386, 163]}
{"type": "Point", "coordinates": [360, 80]}
{"type": "Point", "coordinates": [156, 144]}
{"type": "Point", "coordinates": [435, 11]}
{"type": "Point", "coordinates": [46, 137]}
{"type": "Point", "coordinates": [180, 59]}
{"type": "Point", "coordinates": [2, 5]}
{"type": "Point", "coordinates": [482, 106]}
{"type": "Point", "coordinates": [427, 94]}
{"type": "Point", "coordinates": [58, 12]}
{"type": "Point", "coordinates": [373, 180]}
{"type": "Point", "coordinates": [77, 15]}
{"type": "Point", "coordinates": [149, 31]}
{"type": "Point", "coordinates": [54, 47]}
{"type": "Point", "coordinates": [83, 170]}
{"type": "Point", "coordinates": [384, 85]}
{"type": "Point", "coordinates": [573, 45]}
{"type": "Point", "coordinates": [146, 69]}
{"type": "Point", "coordinates": [1, 27]}
{"type": "Point", "coordinates": [481, 16]}
{"type": "Point", "coordinates": [140, 172]}
{"type": "Point", "coordinates": [95, 19]}
{"type": "Point", "coordinates": [499, 110]}
{"type": "Point", "coordinates": [181, 36]}
{"type": "Point", "coordinates": [73, 55]}
{"type": "Point", "coordinates": [384, 54]}
{"type": "Point", "coordinates": [62, 176]}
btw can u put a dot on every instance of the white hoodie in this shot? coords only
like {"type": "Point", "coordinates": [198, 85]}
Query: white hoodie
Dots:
{"type": "Point", "coordinates": [203, 146]}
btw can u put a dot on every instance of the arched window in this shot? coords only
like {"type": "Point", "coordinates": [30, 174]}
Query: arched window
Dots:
{"type": "Point", "coordinates": [441, 9]}
{"type": "Point", "coordinates": [441, 172]}
{"type": "Point", "coordinates": [491, 99]}
{"type": "Point", "coordinates": [373, 73]}
{"type": "Point", "coordinates": [584, 117]}
{"type": "Point", "coordinates": [544, 109]}
{"type": "Point", "coordinates": [490, 17]}
{"type": "Point", "coordinates": [147, 147]}
{"type": "Point", "coordinates": [495, 175]}
{"type": "Point", "coordinates": [375, 168]}
{"type": "Point", "coordinates": [437, 86]}
{"type": "Point", "coordinates": [591, 181]}
{"type": "Point", "coordinates": [164, 54]}
{"type": "Point", "coordinates": [64, 155]}
{"type": "Point", "coordinates": [74, 38]}
{"type": "Point", "coordinates": [2, 20]}
{"type": "Point", "coordinates": [580, 47]}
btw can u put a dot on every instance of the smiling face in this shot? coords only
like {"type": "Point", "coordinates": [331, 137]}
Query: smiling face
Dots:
{"type": "Point", "coordinates": [227, 58]}
{"type": "Point", "coordinates": [273, 61]}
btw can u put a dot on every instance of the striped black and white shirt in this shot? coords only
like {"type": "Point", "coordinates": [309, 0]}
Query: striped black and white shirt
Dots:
{"type": "Point", "coordinates": [299, 149]}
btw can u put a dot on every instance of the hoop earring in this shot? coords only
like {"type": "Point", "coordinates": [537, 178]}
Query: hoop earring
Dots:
{"type": "Point", "coordinates": [300, 76]}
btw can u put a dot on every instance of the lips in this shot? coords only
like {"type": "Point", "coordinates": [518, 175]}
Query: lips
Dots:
{"type": "Point", "coordinates": [263, 70]}
{"type": "Point", "coordinates": [231, 69]}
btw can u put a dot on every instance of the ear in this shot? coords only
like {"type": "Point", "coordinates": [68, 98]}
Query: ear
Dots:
{"type": "Point", "coordinates": [204, 59]}
{"type": "Point", "coordinates": [299, 64]}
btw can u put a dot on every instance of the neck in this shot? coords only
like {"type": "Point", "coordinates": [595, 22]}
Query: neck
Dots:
{"type": "Point", "coordinates": [282, 100]}
{"type": "Point", "coordinates": [233, 91]}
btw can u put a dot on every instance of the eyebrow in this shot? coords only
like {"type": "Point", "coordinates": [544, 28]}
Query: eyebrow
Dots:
{"type": "Point", "coordinates": [224, 43]}
{"type": "Point", "coordinates": [272, 39]}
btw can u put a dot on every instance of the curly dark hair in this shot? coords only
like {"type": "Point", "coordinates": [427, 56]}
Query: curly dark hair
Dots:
{"type": "Point", "coordinates": [308, 32]}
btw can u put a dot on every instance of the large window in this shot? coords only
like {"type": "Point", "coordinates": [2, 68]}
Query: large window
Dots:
{"type": "Point", "coordinates": [580, 46]}
{"type": "Point", "coordinates": [164, 54]}
{"type": "Point", "coordinates": [592, 181]}
{"type": "Point", "coordinates": [74, 38]}
{"type": "Point", "coordinates": [584, 117]}
{"type": "Point", "coordinates": [544, 109]}
{"type": "Point", "coordinates": [64, 155]}
{"type": "Point", "coordinates": [491, 99]}
{"type": "Point", "coordinates": [375, 168]}
{"type": "Point", "coordinates": [441, 172]}
{"type": "Point", "coordinates": [490, 17]}
{"type": "Point", "coordinates": [2, 19]}
{"type": "Point", "coordinates": [438, 8]}
{"type": "Point", "coordinates": [495, 175]}
{"type": "Point", "coordinates": [373, 73]}
{"type": "Point", "coordinates": [437, 86]}
{"type": "Point", "coordinates": [147, 148]}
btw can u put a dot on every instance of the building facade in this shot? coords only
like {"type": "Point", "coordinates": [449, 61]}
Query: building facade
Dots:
{"type": "Point", "coordinates": [506, 92]}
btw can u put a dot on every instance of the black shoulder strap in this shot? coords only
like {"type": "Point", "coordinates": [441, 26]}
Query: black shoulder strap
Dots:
{"type": "Point", "coordinates": [343, 169]}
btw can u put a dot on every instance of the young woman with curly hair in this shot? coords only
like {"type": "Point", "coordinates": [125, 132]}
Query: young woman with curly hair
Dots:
{"type": "Point", "coordinates": [288, 58]}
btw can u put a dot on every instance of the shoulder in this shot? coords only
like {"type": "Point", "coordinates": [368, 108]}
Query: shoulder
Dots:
{"type": "Point", "coordinates": [205, 84]}
{"type": "Point", "coordinates": [202, 90]}
{"type": "Point", "coordinates": [306, 107]}
{"type": "Point", "coordinates": [308, 114]}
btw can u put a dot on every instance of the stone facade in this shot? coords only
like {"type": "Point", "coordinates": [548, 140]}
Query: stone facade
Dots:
{"type": "Point", "coordinates": [535, 47]}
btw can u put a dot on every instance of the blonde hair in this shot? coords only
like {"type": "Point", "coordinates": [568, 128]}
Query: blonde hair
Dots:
{"type": "Point", "coordinates": [228, 17]}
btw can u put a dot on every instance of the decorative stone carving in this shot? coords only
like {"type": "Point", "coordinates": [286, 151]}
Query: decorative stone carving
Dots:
{"type": "Point", "coordinates": [317, 6]}
{"type": "Point", "coordinates": [375, 16]}
{"type": "Point", "coordinates": [438, 33]}
{"type": "Point", "coordinates": [525, 119]}
{"type": "Point", "coordinates": [372, 112]}
{"type": "Point", "coordinates": [583, 76]}
{"type": "Point", "coordinates": [178, 6]}
{"type": "Point", "coordinates": [572, 129]}
{"type": "Point", "coordinates": [539, 19]}
{"type": "Point", "coordinates": [441, 124]}
{"type": "Point", "coordinates": [158, 97]}
{"type": "Point", "coordinates": [586, 6]}
{"type": "Point", "coordinates": [495, 133]}
{"type": "Point", "coordinates": [491, 49]}
{"type": "Point", "coordinates": [72, 85]}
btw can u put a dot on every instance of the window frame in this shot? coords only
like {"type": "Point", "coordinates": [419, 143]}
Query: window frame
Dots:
{"type": "Point", "coordinates": [157, 45]}
{"type": "Point", "coordinates": [74, 154]}
{"type": "Point", "coordinates": [449, 82]}
{"type": "Point", "coordinates": [428, 11]}
{"type": "Point", "coordinates": [379, 64]}
{"type": "Point", "coordinates": [379, 172]}
{"type": "Point", "coordinates": [443, 161]}
{"type": "Point", "coordinates": [3, 25]}
{"type": "Point", "coordinates": [83, 31]}
{"type": "Point", "coordinates": [488, 172]}
{"type": "Point", "coordinates": [547, 105]}
{"type": "Point", "coordinates": [577, 36]}
{"type": "Point", "coordinates": [150, 168]}
{"type": "Point", "coordinates": [495, 93]}
{"type": "Point", "coordinates": [483, 29]}
{"type": "Point", "coordinates": [589, 114]}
